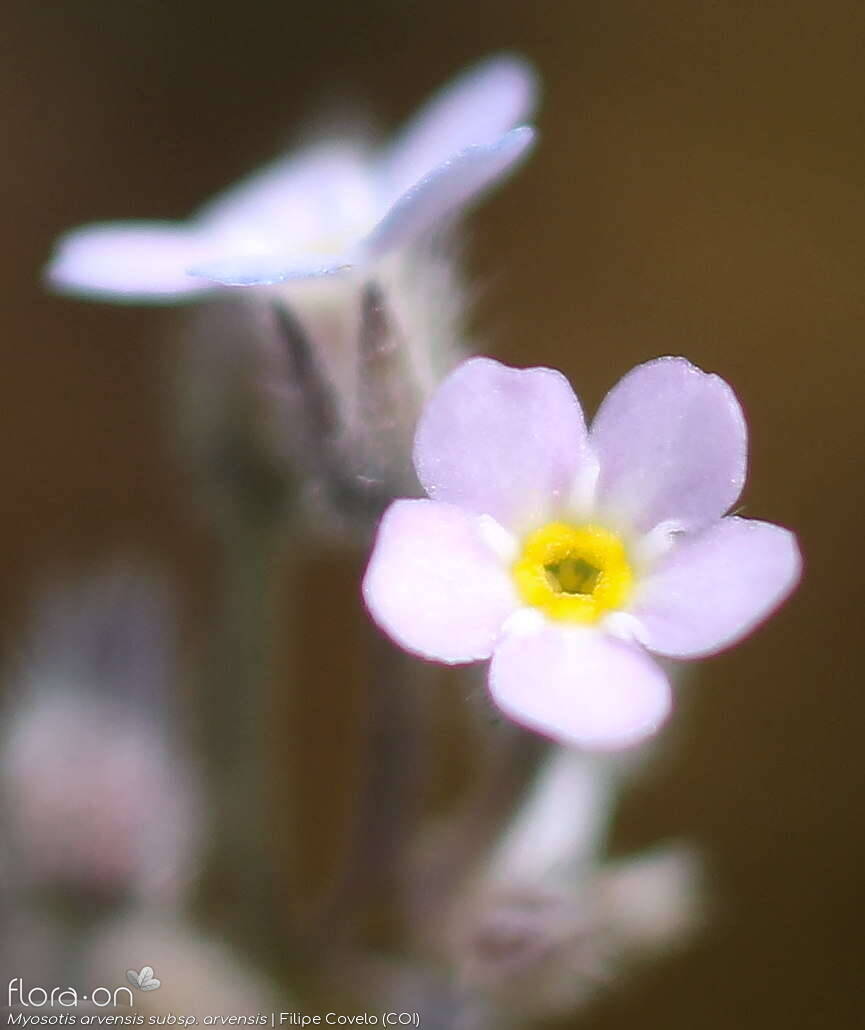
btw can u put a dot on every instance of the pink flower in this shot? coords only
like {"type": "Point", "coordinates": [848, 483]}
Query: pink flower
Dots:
{"type": "Point", "coordinates": [323, 211]}
{"type": "Point", "coordinates": [571, 557]}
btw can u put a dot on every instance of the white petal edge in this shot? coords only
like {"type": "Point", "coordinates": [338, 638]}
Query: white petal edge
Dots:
{"type": "Point", "coordinates": [716, 586]}
{"type": "Point", "coordinates": [434, 585]}
{"type": "Point", "coordinates": [446, 190]}
{"type": "Point", "coordinates": [270, 270]}
{"type": "Point", "coordinates": [478, 106]}
{"type": "Point", "coordinates": [580, 687]}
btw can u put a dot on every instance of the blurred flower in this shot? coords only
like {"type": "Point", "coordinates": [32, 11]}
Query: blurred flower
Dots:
{"type": "Point", "coordinates": [323, 211]}
{"type": "Point", "coordinates": [566, 555]}
{"type": "Point", "coordinates": [534, 951]}
{"type": "Point", "coordinates": [540, 950]}
{"type": "Point", "coordinates": [96, 805]}
{"type": "Point", "coordinates": [311, 386]}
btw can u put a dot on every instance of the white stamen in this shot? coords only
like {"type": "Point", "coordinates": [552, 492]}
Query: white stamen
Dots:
{"type": "Point", "coordinates": [582, 496]}
{"type": "Point", "coordinates": [625, 626]}
{"type": "Point", "coordinates": [657, 542]}
{"type": "Point", "coordinates": [498, 539]}
{"type": "Point", "coordinates": [524, 622]}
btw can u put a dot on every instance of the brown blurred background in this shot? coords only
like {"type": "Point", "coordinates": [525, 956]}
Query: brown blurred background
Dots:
{"type": "Point", "coordinates": [697, 191]}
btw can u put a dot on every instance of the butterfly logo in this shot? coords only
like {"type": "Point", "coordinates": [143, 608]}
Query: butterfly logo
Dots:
{"type": "Point", "coordinates": [145, 980]}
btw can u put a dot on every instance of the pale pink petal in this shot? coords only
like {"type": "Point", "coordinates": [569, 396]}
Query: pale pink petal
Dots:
{"type": "Point", "coordinates": [319, 199]}
{"type": "Point", "coordinates": [717, 585]}
{"type": "Point", "coordinates": [435, 585]}
{"type": "Point", "coordinates": [251, 254]}
{"type": "Point", "coordinates": [134, 261]}
{"type": "Point", "coordinates": [447, 189]}
{"type": "Point", "coordinates": [579, 686]}
{"type": "Point", "coordinates": [503, 441]}
{"type": "Point", "coordinates": [672, 445]}
{"type": "Point", "coordinates": [477, 107]}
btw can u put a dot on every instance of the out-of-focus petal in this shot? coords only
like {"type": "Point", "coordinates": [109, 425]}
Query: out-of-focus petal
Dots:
{"type": "Point", "coordinates": [503, 441]}
{"type": "Point", "coordinates": [320, 198]}
{"type": "Point", "coordinates": [134, 261]}
{"type": "Point", "coordinates": [672, 444]}
{"type": "Point", "coordinates": [716, 586]}
{"type": "Point", "coordinates": [479, 106]}
{"type": "Point", "coordinates": [446, 189]}
{"type": "Point", "coordinates": [434, 584]}
{"type": "Point", "coordinates": [268, 270]}
{"type": "Point", "coordinates": [579, 686]}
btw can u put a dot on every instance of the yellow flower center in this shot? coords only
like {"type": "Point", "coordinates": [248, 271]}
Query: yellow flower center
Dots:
{"type": "Point", "coordinates": [574, 573]}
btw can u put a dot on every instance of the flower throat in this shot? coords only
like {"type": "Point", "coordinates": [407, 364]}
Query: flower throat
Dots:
{"type": "Point", "coordinates": [573, 573]}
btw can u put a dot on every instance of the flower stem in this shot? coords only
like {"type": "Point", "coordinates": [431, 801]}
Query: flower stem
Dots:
{"type": "Point", "coordinates": [242, 886]}
{"type": "Point", "coordinates": [561, 825]}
